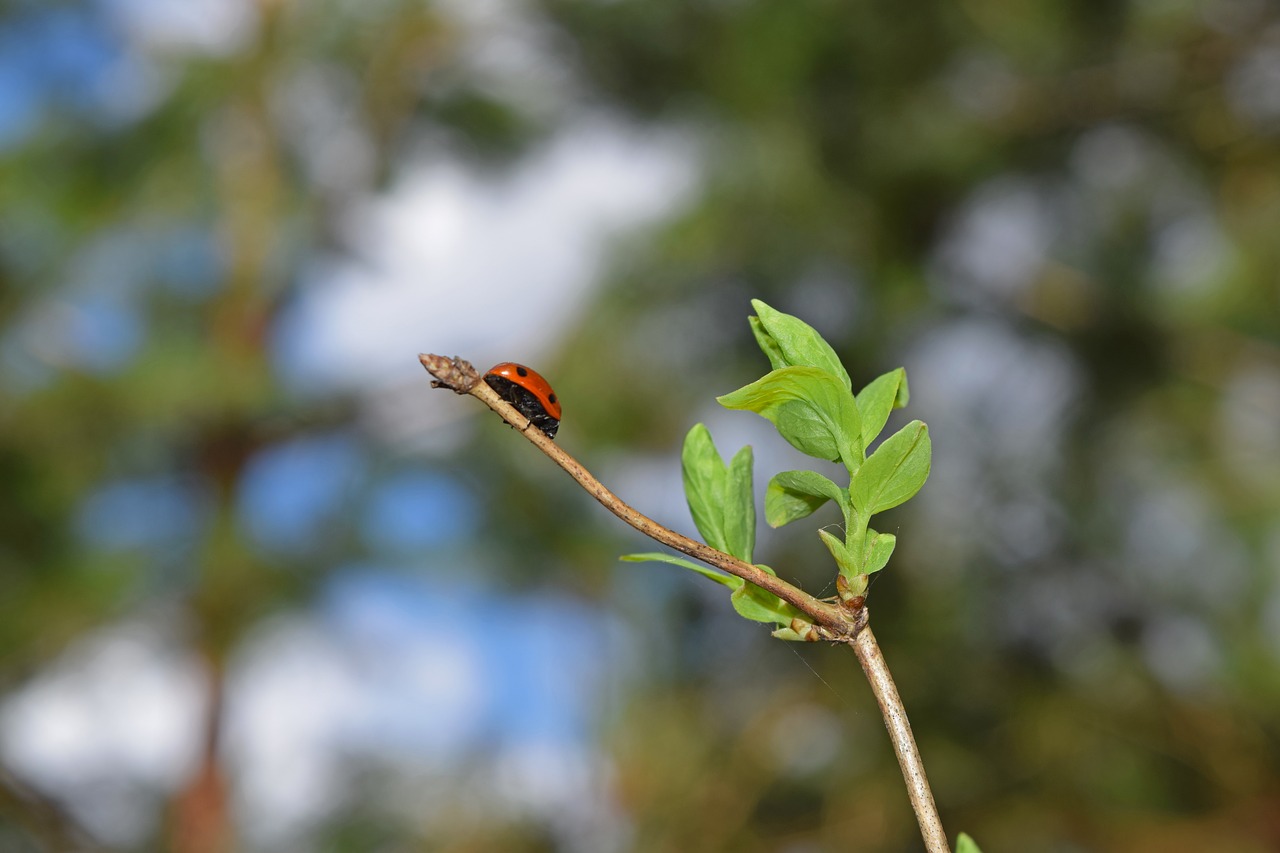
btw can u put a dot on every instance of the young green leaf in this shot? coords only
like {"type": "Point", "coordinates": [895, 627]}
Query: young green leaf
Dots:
{"type": "Point", "coordinates": [965, 844]}
{"type": "Point", "coordinates": [719, 497]}
{"type": "Point", "coordinates": [895, 472]}
{"type": "Point", "coordinates": [789, 634]}
{"type": "Point", "coordinates": [792, 495]}
{"type": "Point", "coordinates": [881, 396]}
{"type": "Point", "coordinates": [750, 601]}
{"type": "Point", "coordinates": [877, 549]}
{"type": "Point", "coordinates": [795, 343]}
{"type": "Point", "coordinates": [767, 344]}
{"type": "Point", "coordinates": [760, 605]}
{"type": "Point", "coordinates": [730, 581]}
{"type": "Point", "coordinates": [845, 559]}
{"type": "Point", "coordinates": [740, 506]}
{"type": "Point", "coordinates": [811, 410]}
{"type": "Point", "coordinates": [701, 466]}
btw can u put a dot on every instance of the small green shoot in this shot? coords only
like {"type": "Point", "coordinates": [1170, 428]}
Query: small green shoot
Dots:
{"type": "Point", "coordinates": [808, 397]}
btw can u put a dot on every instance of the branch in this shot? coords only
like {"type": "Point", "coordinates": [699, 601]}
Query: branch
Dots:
{"type": "Point", "coordinates": [904, 742]}
{"type": "Point", "coordinates": [459, 376]}
{"type": "Point", "coordinates": [835, 622]}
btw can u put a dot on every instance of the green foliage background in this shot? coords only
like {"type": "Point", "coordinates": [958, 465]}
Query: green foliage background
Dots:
{"type": "Point", "coordinates": [1061, 217]}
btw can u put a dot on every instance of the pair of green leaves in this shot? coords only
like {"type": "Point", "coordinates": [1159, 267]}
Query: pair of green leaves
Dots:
{"type": "Point", "coordinates": [890, 476]}
{"type": "Point", "coordinates": [723, 508]}
{"type": "Point", "coordinates": [808, 396]}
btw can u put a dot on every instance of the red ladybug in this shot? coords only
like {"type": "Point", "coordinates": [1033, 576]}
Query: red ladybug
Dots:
{"type": "Point", "coordinates": [525, 389]}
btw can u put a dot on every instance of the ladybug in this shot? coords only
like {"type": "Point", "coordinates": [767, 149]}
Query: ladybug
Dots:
{"type": "Point", "coordinates": [525, 389]}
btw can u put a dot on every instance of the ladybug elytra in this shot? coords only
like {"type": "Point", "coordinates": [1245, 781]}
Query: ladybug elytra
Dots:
{"type": "Point", "coordinates": [531, 395]}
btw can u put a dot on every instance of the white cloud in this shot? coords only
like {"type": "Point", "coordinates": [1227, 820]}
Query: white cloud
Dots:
{"type": "Point", "coordinates": [212, 27]}
{"type": "Point", "coordinates": [116, 721]}
{"type": "Point", "coordinates": [490, 268]}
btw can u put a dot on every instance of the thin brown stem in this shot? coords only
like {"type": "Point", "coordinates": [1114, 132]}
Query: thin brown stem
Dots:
{"type": "Point", "coordinates": [904, 742]}
{"type": "Point", "coordinates": [831, 621]}
{"type": "Point", "coordinates": [462, 378]}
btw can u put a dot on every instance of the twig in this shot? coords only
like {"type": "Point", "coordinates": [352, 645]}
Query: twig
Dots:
{"type": "Point", "coordinates": [839, 623]}
{"type": "Point", "coordinates": [904, 742]}
{"type": "Point", "coordinates": [460, 377]}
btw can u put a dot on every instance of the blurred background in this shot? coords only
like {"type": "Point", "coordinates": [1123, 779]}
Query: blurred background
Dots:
{"type": "Point", "coordinates": [261, 587]}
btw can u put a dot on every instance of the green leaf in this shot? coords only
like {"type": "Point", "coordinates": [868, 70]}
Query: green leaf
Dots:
{"type": "Point", "coordinates": [877, 549]}
{"type": "Point", "coordinates": [719, 497]}
{"type": "Point", "coordinates": [788, 634]}
{"type": "Point", "coordinates": [792, 495]}
{"type": "Point", "coordinates": [730, 581]}
{"type": "Point", "coordinates": [749, 600]}
{"type": "Point", "coordinates": [845, 559]}
{"type": "Point", "coordinates": [701, 466]}
{"type": "Point", "coordinates": [760, 605]}
{"type": "Point", "coordinates": [881, 396]}
{"type": "Point", "coordinates": [895, 472]}
{"type": "Point", "coordinates": [768, 344]}
{"type": "Point", "coordinates": [740, 506]}
{"type": "Point", "coordinates": [811, 410]}
{"type": "Point", "coordinates": [965, 844]}
{"type": "Point", "coordinates": [791, 342]}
